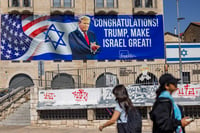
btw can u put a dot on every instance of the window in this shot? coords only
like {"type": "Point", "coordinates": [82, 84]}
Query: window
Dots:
{"type": "Point", "coordinates": [15, 3]}
{"type": "Point", "coordinates": [139, 60]}
{"type": "Point", "coordinates": [100, 3]}
{"type": "Point", "coordinates": [67, 3]}
{"type": "Point", "coordinates": [138, 3]}
{"type": "Point", "coordinates": [150, 59]}
{"type": "Point", "coordinates": [26, 61]}
{"type": "Point", "coordinates": [148, 3]}
{"type": "Point", "coordinates": [56, 3]}
{"type": "Point", "coordinates": [26, 3]}
{"type": "Point", "coordinates": [186, 77]}
{"type": "Point", "coordinates": [15, 61]}
{"type": "Point", "coordinates": [57, 60]}
{"type": "Point", "coordinates": [110, 3]}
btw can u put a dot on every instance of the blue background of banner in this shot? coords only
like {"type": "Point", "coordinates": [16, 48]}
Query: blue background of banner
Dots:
{"type": "Point", "coordinates": [111, 53]}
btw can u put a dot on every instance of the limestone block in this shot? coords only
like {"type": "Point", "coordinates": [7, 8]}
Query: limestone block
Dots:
{"type": "Point", "coordinates": [55, 122]}
{"type": "Point", "coordinates": [70, 123]}
{"type": "Point", "coordinates": [64, 122]}
{"type": "Point", "coordinates": [83, 122]}
{"type": "Point", "coordinates": [90, 115]}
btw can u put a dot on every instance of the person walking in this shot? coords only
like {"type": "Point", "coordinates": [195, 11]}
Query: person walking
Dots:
{"type": "Point", "coordinates": [167, 117]}
{"type": "Point", "coordinates": [123, 106]}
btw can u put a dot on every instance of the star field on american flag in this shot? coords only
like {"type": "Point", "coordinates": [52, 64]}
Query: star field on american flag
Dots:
{"type": "Point", "coordinates": [14, 42]}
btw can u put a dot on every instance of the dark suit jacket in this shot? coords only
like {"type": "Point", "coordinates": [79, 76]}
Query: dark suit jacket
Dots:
{"type": "Point", "coordinates": [80, 48]}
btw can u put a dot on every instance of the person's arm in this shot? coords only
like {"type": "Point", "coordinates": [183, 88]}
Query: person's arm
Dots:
{"type": "Point", "coordinates": [113, 119]}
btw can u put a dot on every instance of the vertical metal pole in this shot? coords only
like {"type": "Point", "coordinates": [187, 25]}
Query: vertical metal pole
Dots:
{"type": "Point", "coordinates": [45, 79]}
{"type": "Point", "coordinates": [58, 68]}
{"type": "Point", "coordinates": [197, 74]}
{"type": "Point", "coordinates": [179, 43]}
{"type": "Point", "coordinates": [78, 78]}
{"type": "Point", "coordinates": [41, 71]}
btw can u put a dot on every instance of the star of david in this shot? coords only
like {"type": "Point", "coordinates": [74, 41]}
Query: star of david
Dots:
{"type": "Point", "coordinates": [184, 52]}
{"type": "Point", "coordinates": [54, 36]}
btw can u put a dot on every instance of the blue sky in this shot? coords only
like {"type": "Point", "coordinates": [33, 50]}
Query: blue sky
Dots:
{"type": "Point", "coordinates": [189, 9]}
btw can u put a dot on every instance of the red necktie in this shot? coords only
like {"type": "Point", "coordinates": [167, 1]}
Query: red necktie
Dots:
{"type": "Point", "coordinates": [86, 38]}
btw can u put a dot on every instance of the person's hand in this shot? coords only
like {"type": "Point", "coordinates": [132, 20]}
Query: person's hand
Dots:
{"type": "Point", "coordinates": [94, 47]}
{"type": "Point", "coordinates": [100, 128]}
{"type": "Point", "coordinates": [184, 121]}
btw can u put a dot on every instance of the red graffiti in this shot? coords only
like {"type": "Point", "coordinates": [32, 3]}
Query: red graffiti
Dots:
{"type": "Point", "coordinates": [49, 96]}
{"type": "Point", "coordinates": [80, 95]}
{"type": "Point", "coordinates": [188, 91]}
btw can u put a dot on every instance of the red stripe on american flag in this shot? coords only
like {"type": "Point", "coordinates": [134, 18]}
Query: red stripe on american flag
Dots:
{"type": "Point", "coordinates": [38, 31]}
{"type": "Point", "coordinates": [25, 16]}
{"type": "Point", "coordinates": [35, 22]}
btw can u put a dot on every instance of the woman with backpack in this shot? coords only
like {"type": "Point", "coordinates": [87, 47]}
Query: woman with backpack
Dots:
{"type": "Point", "coordinates": [167, 117]}
{"type": "Point", "coordinates": [123, 106]}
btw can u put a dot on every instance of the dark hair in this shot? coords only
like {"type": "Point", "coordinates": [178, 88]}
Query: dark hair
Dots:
{"type": "Point", "coordinates": [122, 97]}
{"type": "Point", "coordinates": [160, 89]}
{"type": "Point", "coordinates": [165, 79]}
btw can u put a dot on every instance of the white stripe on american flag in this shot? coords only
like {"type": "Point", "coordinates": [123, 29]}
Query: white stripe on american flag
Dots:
{"type": "Point", "coordinates": [34, 25]}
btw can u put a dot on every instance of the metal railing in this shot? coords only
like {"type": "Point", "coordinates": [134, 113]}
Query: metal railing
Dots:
{"type": "Point", "coordinates": [109, 76]}
{"type": "Point", "coordinates": [92, 77]}
{"type": "Point", "coordinates": [11, 97]}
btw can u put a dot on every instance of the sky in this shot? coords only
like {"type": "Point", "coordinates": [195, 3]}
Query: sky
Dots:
{"type": "Point", "coordinates": [188, 9]}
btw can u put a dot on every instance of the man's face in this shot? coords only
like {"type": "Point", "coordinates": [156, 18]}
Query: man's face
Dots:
{"type": "Point", "coordinates": [84, 25]}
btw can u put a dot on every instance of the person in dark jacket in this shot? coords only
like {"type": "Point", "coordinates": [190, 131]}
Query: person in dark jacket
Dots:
{"type": "Point", "coordinates": [167, 117]}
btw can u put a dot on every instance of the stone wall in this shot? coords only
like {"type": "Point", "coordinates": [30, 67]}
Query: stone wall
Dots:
{"type": "Point", "coordinates": [89, 123]}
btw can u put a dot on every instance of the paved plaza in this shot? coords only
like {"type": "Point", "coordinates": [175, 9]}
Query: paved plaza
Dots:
{"type": "Point", "coordinates": [31, 129]}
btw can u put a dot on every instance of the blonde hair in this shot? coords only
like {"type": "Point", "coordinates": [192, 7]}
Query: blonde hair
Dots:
{"type": "Point", "coordinates": [84, 18]}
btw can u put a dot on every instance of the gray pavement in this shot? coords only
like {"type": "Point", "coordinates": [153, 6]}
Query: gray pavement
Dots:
{"type": "Point", "coordinates": [31, 129]}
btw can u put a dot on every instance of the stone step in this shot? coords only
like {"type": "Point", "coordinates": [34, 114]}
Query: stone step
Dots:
{"type": "Point", "coordinates": [20, 117]}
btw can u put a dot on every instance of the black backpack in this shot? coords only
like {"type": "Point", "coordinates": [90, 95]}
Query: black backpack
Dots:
{"type": "Point", "coordinates": [134, 122]}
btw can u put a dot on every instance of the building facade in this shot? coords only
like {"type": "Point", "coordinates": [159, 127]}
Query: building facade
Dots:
{"type": "Point", "coordinates": [33, 72]}
{"type": "Point", "coordinates": [81, 73]}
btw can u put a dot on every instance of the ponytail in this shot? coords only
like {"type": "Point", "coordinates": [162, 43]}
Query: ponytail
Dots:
{"type": "Point", "coordinates": [160, 90]}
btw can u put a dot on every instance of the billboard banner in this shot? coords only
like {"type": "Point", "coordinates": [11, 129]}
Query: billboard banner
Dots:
{"type": "Point", "coordinates": [66, 37]}
{"type": "Point", "coordinates": [189, 52]}
{"type": "Point", "coordinates": [141, 95]}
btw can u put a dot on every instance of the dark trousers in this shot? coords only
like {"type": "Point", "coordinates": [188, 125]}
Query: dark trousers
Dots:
{"type": "Point", "coordinates": [121, 127]}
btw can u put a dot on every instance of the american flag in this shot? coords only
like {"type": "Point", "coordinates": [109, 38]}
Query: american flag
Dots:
{"type": "Point", "coordinates": [34, 25]}
{"type": "Point", "coordinates": [24, 37]}
{"type": "Point", "coordinates": [14, 42]}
